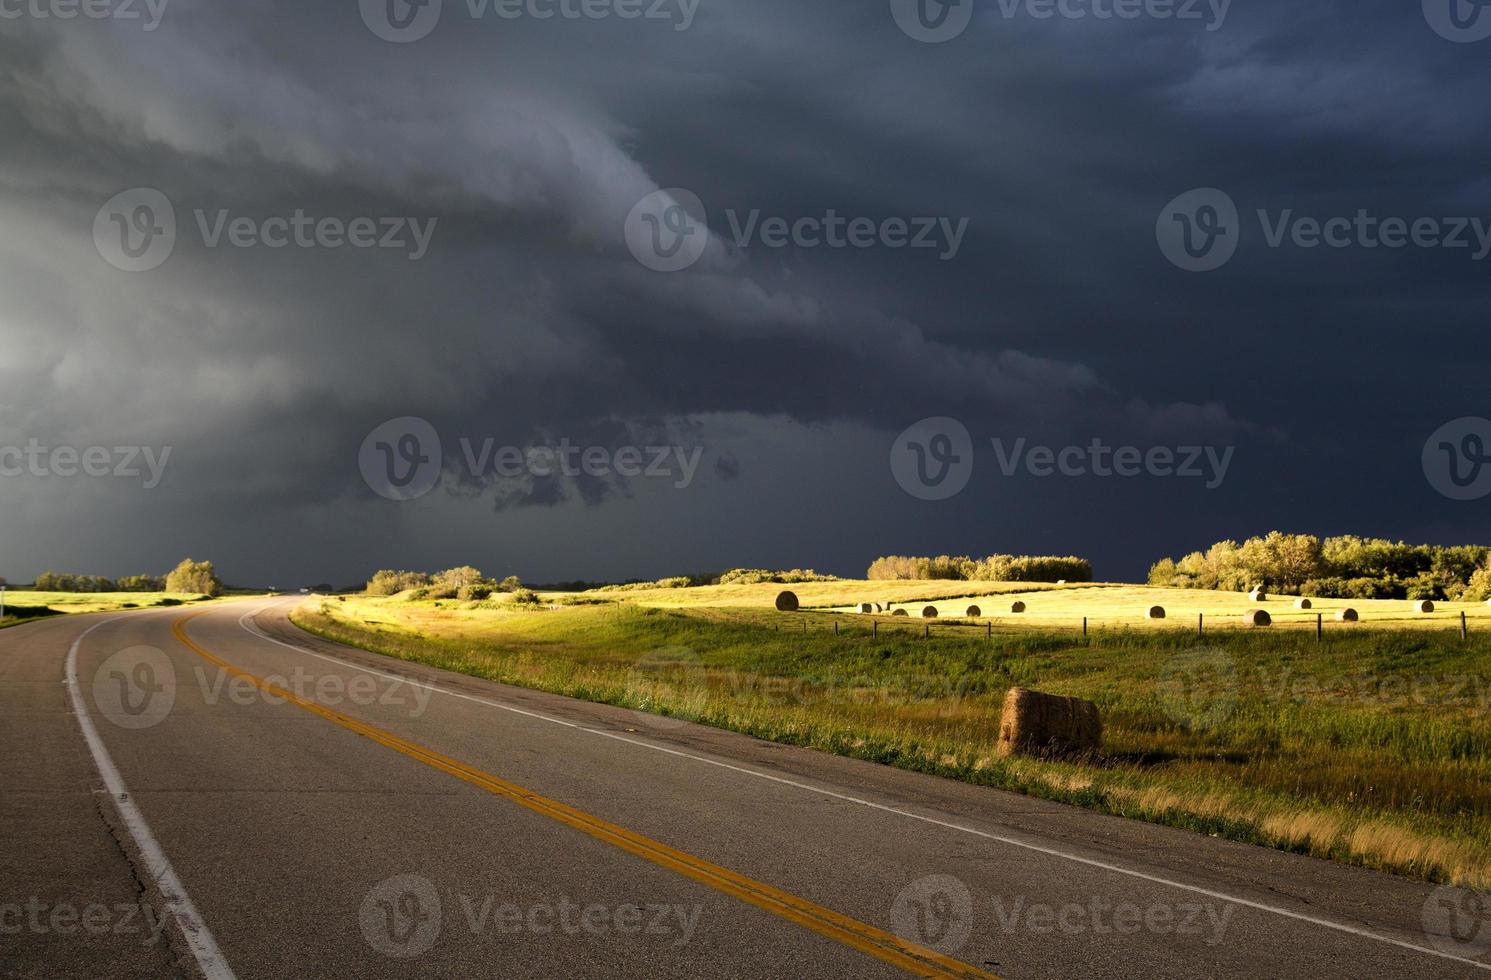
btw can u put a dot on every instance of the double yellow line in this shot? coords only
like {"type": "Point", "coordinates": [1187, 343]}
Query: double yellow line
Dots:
{"type": "Point", "coordinates": [911, 957]}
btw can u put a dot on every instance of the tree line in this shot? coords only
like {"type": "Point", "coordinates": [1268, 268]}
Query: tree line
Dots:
{"type": "Point", "coordinates": [189, 576]}
{"type": "Point", "coordinates": [1345, 567]}
{"type": "Point", "coordinates": [995, 568]}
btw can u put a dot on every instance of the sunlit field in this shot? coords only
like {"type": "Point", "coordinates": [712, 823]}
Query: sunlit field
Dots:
{"type": "Point", "coordinates": [1369, 744]}
{"type": "Point", "coordinates": [22, 606]}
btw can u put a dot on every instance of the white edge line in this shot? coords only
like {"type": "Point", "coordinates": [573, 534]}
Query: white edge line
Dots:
{"type": "Point", "coordinates": [209, 958]}
{"type": "Point", "coordinates": [250, 627]}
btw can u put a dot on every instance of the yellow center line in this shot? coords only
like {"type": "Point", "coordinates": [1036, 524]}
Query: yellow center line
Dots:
{"type": "Point", "coordinates": [887, 947]}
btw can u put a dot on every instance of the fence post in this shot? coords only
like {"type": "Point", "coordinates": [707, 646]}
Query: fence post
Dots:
{"type": "Point", "coordinates": [989, 630]}
{"type": "Point", "coordinates": [875, 629]}
{"type": "Point", "coordinates": [1084, 626]}
{"type": "Point", "coordinates": [1201, 624]}
{"type": "Point", "coordinates": [1320, 627]}
{"type": "Point", "coordinates": [928, 631]}
{"type": "Point", "coordinates": [836, 627]}
{"type": "Point", "coordinates": [1464, 626]}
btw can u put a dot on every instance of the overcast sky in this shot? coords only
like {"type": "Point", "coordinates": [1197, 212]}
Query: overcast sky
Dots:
{"type": "Point", "coordinates": [518, 281]}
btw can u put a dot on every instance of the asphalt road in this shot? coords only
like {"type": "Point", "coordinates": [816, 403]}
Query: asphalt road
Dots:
{"type": "Point", "coordinates": [221, 794]}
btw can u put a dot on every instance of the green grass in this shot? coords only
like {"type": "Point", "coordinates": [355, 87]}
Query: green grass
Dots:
{"type": "Point", "coordinates": [1372, 747]}
{"type": "Point", "coordinates": [24, 606]}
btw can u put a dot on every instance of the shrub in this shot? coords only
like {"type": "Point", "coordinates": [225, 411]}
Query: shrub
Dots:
{"type": "Point", "coordinates": [389, 582]}
{"type": "Point", "coordinates": [526, 597]}
{"type": "Point", "coordinates": [194, 576]}
{"type": "Point", "coordinates": [476, 591]}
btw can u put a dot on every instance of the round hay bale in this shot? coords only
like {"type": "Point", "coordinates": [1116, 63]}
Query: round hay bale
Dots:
{"type": "Point", "coordinates": [1347, 616]}
{"type": "Point", "coordinates": [787, 602]}
{"type": "Point", "coordinates": [867, 607]}
{"type": "Point", "coordinates": [1258, 595]}
{"type": "Point", "coordinates": [1257, 617]}
{"type": "Point", "coordinates": [900, 612]}
{"type": "Point", "coordinates": [1423, 606]}
{"type": "Point", "coordinates": [1303, 604]}
{"type": "Point", "coordinates": [974, 612]}
{"type": "Point", "coordinates": [1155, 612]}
{"type": "Point", "coordinates": [1017, 607]}
{"type": "Point", "coordinates": [929, 612]}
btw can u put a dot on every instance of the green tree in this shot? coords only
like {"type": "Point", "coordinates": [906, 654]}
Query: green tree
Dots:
{"type": "Point", "coordinates": [194, 576]}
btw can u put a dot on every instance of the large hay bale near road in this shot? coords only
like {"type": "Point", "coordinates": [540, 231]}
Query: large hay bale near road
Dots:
{"type": "Point", "coordinates": [929, 612]}
{"type": "Point", "coordinates": [1034, 723]}
{"type": "Point", "coordinates": [974, 612]}
{"type": "Point", "coordinates": [1155, 612]}
{"type": "Point", "coordinates": [1017, 607]}
{"type": "Point", "coordinates": [787, 602]}
{"type": "Point", "coordinates": [1423, 606]}
{"type": "Point", "coordinates": [900, 612]}
{"type": "Point", "coordinates": [1347, 616]}
{"type": "Point", "coordinates": [1257, 617]}
{"type": "Point", "coordinates": [1303, 604]}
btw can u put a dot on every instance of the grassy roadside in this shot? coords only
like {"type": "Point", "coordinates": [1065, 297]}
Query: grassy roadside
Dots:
{"type": "Point", "coordinates": [1373, 747]}
{"type": "Point", "coordinates": [24, 606]}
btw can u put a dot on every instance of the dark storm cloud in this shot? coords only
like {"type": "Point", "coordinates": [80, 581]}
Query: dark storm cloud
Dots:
{"type": "Point", "coordinates": [527, 143]}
